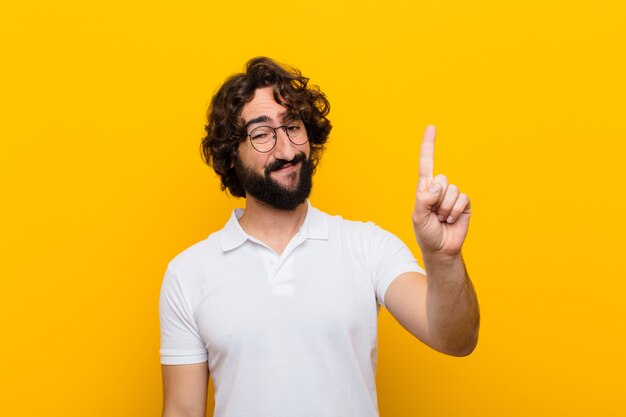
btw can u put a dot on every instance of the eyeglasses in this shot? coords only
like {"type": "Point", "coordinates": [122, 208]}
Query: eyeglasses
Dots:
{"type": "Point", "coordinates": [263, 138]}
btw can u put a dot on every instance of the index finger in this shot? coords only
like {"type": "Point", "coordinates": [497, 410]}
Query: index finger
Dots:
{"type": "Point", "coordinates": [427, 153]}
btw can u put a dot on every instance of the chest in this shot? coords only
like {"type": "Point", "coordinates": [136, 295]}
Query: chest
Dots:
{"type": "Point", "coordinates": [264, 302]}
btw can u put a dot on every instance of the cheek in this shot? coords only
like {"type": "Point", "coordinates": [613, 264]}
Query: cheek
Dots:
{"type": "Point", "coordinates": [306, 148]}
{"type": "Point", "coordinates": [251, 158]}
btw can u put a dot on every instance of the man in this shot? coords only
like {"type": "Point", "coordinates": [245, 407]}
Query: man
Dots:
{"type": "Point", "coordinates": [280, 306]}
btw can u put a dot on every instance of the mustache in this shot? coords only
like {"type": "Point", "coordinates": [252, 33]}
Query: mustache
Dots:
{"type": "Point", "coordinates": [279, 163]}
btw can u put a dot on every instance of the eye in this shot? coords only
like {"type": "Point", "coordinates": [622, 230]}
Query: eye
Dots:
{"type": "Point", "coordinates": [293, 128]}
{"type": "Point", "coordinates": [262, 133]}
{"type": "Point", "coordinates": [259, 136]}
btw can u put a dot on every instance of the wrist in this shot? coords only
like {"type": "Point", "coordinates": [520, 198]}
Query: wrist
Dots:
{"type": "Point", "coordinates": [439, 258]}
{"type": "Point", "coordinates": [444, 271]}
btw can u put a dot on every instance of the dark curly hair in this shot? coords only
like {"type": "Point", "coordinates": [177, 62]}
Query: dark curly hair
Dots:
{"type": "Point", "coordinates": [225, 128]}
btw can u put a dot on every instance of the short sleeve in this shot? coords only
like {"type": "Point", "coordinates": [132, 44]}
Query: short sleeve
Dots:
{"type": "Point", "coordinates": [181, 342]}
{"type": "Point", "coordinates": [389, 258]}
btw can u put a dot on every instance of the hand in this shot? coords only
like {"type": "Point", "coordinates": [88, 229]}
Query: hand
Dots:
{"type": "Point", "coordinates": [442, 213]}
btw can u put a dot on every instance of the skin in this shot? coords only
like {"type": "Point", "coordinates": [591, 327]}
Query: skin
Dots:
{"type": "Point", "coordinates": [440, 309]}
{"type": "Point", "coordinates": [272, 226]}
{"type": "Point", "coordinates": [185, 390]}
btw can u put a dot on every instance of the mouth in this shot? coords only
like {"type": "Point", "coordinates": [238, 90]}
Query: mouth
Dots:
{"type": "Point", "coordinates": [287, 168]}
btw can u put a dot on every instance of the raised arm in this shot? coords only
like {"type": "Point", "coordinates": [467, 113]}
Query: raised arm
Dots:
{"type": "Point", "coordinates": [185, 390]}
{"type": "Point", "coordinates": [441, 308]}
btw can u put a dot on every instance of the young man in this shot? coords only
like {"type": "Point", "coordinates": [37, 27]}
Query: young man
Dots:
{"type": "Point", "coordinates": [280, 306]}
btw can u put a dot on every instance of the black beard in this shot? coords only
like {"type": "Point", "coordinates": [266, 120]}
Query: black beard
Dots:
{"type": "Point", "coordinates": [268, 191]}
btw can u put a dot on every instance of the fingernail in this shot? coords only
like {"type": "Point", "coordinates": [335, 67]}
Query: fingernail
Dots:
{"type": "Point", "coordinates": [440, 217]}
{"type": "Point", "coordinates": [450, 219]}
{"type": "Point", "coordinates": [434, 188]}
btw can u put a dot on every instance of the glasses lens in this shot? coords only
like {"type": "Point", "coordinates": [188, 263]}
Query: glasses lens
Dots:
{"type": "Point", "coordinates": [297, 133]}
{"type": "Point", "coordinates": [262, 138]}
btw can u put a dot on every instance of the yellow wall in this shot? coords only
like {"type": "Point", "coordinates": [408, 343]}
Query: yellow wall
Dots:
{"type": "Point", "coordinates": [102, 107]}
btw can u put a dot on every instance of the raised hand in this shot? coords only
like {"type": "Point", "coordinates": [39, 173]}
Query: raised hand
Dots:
{"type": "Point", "coordinates": [442, 213]}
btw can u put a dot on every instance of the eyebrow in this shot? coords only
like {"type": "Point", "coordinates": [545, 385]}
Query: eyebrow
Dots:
{"type": "Point", "coordinates": [267, 119]}
{"type": "Point", "coordinates": [260, 119]}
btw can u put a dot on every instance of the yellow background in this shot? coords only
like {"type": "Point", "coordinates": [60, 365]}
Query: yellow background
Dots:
{"type": "Point", "coordinates": [103, 105]}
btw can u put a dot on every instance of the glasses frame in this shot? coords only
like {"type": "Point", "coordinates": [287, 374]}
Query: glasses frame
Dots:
{"type": "Point", "coordinates": [275, 136]}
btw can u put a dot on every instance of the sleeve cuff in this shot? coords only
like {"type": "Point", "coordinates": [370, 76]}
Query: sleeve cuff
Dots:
{"type": "Point", "coordinates": [178, 357]}
{"type": "Point", "coordinates": [393, 274]}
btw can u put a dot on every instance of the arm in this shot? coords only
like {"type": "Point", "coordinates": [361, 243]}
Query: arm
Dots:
{"type": "Point", "coordinates": [183, 353]}
{"type": "Point", "coordinates": [441, 313]}
{"type": "Point", "coordinates": [441, 309]}
{"type": "Point", "coordinates": [185, 390]}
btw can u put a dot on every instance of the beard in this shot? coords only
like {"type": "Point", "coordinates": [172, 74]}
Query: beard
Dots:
{"type": "Point", "coordinates": [270, 192]}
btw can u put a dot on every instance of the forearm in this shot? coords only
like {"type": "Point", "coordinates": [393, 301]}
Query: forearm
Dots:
{"type": "Point", "coordinates": [451, 305]}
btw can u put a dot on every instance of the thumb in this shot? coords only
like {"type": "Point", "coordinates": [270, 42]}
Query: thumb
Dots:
{"type": "Point", "coordinates": [428, 195]}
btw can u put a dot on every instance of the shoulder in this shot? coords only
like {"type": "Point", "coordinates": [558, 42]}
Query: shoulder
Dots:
{"type": "Point", "coordinates": [348, 227]}
{"type": "Point", "coordinates": [195, 259]}
{"type": "Point", "coordinates": [355, 232]}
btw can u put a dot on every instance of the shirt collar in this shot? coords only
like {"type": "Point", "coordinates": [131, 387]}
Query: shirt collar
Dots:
{"type": "Point", "coordinates": [315, 226]}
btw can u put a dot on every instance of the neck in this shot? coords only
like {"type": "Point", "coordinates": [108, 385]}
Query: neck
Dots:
{"type": "Point", "coordinates": [270, 225]}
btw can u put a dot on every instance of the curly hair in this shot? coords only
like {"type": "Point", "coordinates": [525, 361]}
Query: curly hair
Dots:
{"type": "Point", "coordinates": [225, 127]}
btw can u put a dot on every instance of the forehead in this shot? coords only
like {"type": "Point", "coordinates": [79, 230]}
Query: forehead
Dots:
{"type": "Point", "coordinates": [263, 104]}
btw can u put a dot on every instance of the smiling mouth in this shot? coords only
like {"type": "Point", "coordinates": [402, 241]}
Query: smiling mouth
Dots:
{"type": "Point", "coordinates": [287, 167]}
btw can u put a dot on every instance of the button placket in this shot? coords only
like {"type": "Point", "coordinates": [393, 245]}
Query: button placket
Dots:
{"type": "Point", "coordinates": [272, 267]}
{"type": "Point", "coordinates": [279, 269]}
{"type": "Point", "coordinates": [282, 283]}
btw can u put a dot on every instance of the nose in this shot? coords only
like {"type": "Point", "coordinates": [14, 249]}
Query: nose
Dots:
{"type": "Point", "coordinates": [284, 148]}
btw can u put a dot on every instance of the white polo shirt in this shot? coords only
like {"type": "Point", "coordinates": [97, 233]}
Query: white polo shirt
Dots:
{"type": "Point", "coordinates": [289, 335]}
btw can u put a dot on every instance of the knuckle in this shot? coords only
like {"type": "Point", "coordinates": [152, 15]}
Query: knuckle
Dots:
{"type": "Point", "coordinates": [458, 208]}
{"type": "Point", "coordinates": [444, 209]}
{"type": "Point", "coordinates": [441, 178]}
{"type": "Point", "coordinates": [446, 204]}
